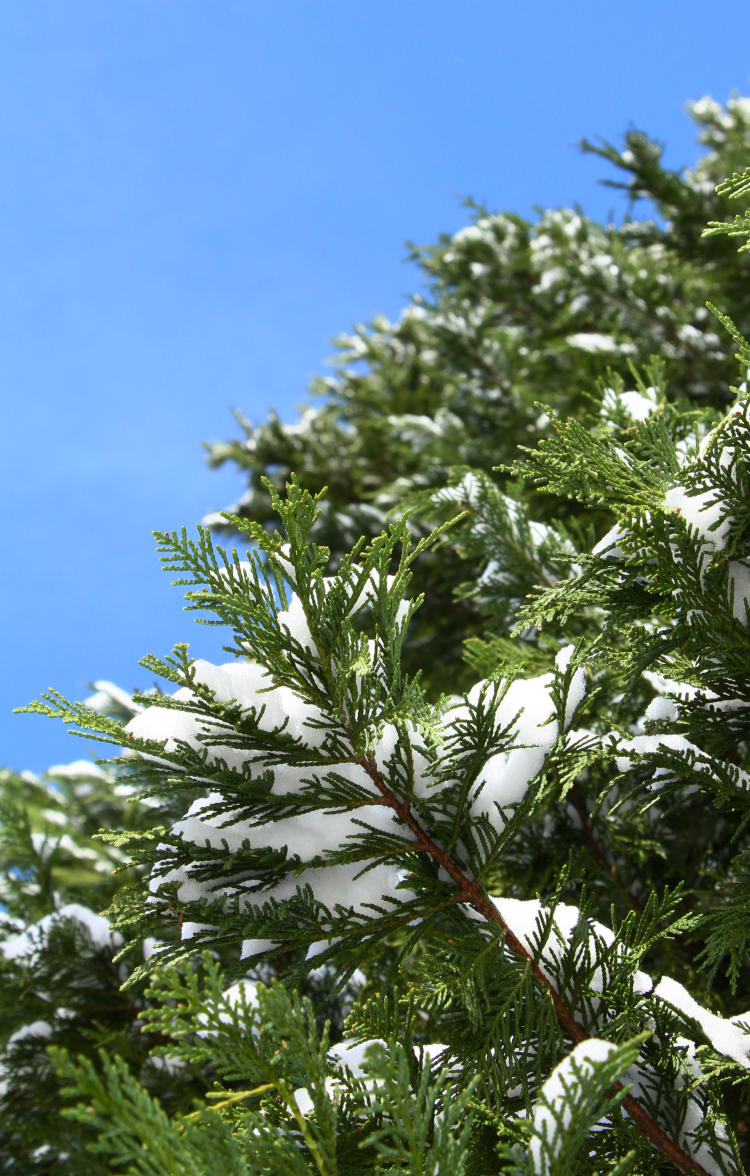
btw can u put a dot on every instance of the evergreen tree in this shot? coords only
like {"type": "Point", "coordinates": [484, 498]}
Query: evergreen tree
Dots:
{"type": "Point", "coordinates": [511, 312]}
{"type": "Point", "coordinates": [368, 924]}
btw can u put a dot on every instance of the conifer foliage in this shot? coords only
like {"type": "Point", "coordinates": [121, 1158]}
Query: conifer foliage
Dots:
{"type": "Point", "coordinates": [446, 868]}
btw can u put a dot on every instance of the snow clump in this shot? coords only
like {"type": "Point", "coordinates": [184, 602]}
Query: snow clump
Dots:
{"type": "Point", "coordinates": [505, 777]}
{"type": "Point", "coordinates": [552, 1111]}
{"type": "Point", "coordinates": [350, 1055]}
{"type": "Point", "coordinates": [527, 710]}
{"type": "Point", "coordinates": [729, 1037]}
{"type": "Point", "coordinates": [526, 918]}
{"type": "Point", "coordinates": [31, 940]}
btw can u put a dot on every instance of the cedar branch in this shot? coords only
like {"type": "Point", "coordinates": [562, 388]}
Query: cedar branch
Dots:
{"type": "Point", "coordinates": [473, 894]}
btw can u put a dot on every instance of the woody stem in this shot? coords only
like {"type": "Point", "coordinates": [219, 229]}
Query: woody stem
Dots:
{"type": "Point", "coordinates": [473, 894]}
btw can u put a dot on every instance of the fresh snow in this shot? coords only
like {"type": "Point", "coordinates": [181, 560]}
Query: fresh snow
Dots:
{"type": "Point", "coordinates": [646, 745]}
{"type": "Point", "coordinates": [525, 917]}
{"type": "Point", "coordinates": [33, 1029]}
{"type": "Point", "coordinates": [638, 405]}
{"type": "Point", "coordinates": [608, 545]}
{"type": "Point", "coordinates": [108, 694]}
{"type": "Point", "coordinates": [243, 992]}
{"type": "Point", "coordinates": [593, 342]}
{"type": "Point", "coordinates": [730, 1037]}
{"type": "Point", "coordinates": [707, 516]}
{"type": "Point", "coordinates": [527, 708]}
{"type": "Point", "coordinates": [243, 682]}
{"type": "Point", "coordinates": [527, 705]}
{"type": "Point", "coordinates": [705, 513]}
{"type": "Point", "coordinates": [46, 844]}
{"type": "Point", "coordinates": [30, 940]}
{"type": "Point", "coordinates": [352, 1054]}
{"type": "Point", "coordinates": [554, 1107]}
{"type": "Point", "coordinates": [76, 770]}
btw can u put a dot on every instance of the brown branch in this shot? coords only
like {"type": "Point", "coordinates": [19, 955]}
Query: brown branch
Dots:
{"type": "Point", "coordinates": [470, 892]}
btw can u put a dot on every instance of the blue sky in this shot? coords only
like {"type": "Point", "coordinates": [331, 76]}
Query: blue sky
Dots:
{"type": "Point", "coordinates": [196, 197]}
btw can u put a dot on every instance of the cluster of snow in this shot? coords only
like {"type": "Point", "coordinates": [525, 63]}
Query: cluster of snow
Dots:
{"type": "Point", "coordinates": [609, 544]}
{"type": "Point", "coordinates": [590, 247]}
{"type": "Point", "coordinates": [463, 319]}
{"type": "Point", "coordinates": [555, 275]}
{"type": "Point", "coordinates": [497, 235]}
{"type": "Point", "coordinates": [413, 312]}
{"type": "Point", "coordinates": [719, 122]}
{"type": "Point", "coordinates": [598, 344]}
{"type": "Point", "coordinates": [242, 994]}
{"type": "Point", "coordinates": [528, 704]}
{"type": "Point", "coordinates": [515, 531]}
{"type": "Point", "coordinates": [38, 1030]}
{"type": "Point", "coordinates": [310, 836]}
{"type": "Point", "coordinates": [527, 707]}
{"type": "Point", "coordinates": [47, 844]}
{"type": "Point", "coordinates": [85, 778]}
{"type": "Point", "coordinates": [309, 416]}
{"type": "Point", "coordinates": [109, 697]}
{"type": "Point", "coordinates": [502, 781]}
{"type": "Point", "coordinates": [564, 246]}
{"type": "Point", "coordinates": [235, 680]}
{"type": "Point", "coordinates": [526, 918]}
{"type": "Point", "coordinates": [351, 1054]}
{"type": "Point", "coordinates": [705, 513]}
{"type": "Point", "coordinates": [420, 431]}
{"type": "Point", "coordinates": [710, 523]}
{"type": "Point", "coordinates": [729, 1037]}
{"type": "Point", "coordinates": [645, 745]}
{"type": "Point", "coordinates": [467, 490]}
{"type": "Point", "coordinates": [555, 1105]}
{"type": "Point", "coordinates": [707, 108]}
{"type": "Point", "coordinates": [31, 940]}
{"type": "Point", "coordinates": [554, 227]}
{"type": "Point", "coordinates": [691, 1135]}
{"type": "Point", "coordinates": [665, 707]}
{"type": "Point", "coordinates": [77, 770]}
{"type": "Point", "coordinates": [637, 405]}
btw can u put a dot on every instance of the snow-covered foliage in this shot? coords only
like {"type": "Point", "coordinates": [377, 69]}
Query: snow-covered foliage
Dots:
{"type": "Point", "coordinates": [519, 716]}
{"type": "Point", "coordinates": [473, 775]}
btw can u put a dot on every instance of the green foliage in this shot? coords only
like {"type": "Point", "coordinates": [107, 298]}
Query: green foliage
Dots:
{"type": "Point", "coordinates": [373, 914]}
{"type": "Point", "coordinates": [513, 312]}
{"type": "Point", "coordinates": [737, 187]}
{"type": "Point", "coordinates": [453, 846]}
{"type": "Point", "coordinates": [577, 1096]}
{"type": "Point", "coordinates": [268, 1061]}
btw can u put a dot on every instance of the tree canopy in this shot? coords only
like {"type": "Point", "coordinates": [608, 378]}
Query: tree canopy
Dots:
{"type": "Point", "coordinates": [446, 868]}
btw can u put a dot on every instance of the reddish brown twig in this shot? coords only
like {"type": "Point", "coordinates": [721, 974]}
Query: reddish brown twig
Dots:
{"type": "Point", "coordinates": [472, 894]}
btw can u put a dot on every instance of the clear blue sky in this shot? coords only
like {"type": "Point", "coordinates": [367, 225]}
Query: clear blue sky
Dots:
{"type": "Point", "coordinates": [196, 197]}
